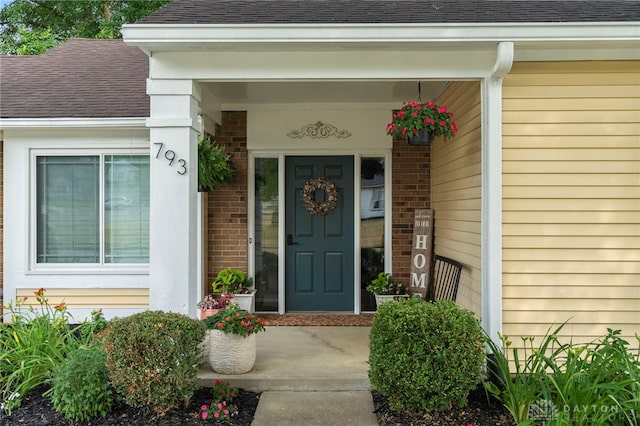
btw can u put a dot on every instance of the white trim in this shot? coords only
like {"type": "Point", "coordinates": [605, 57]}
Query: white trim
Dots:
{"type": "Point", "coordinates": [492, 192]}
{"type": "Point", "coordinates": [125, 122]}
{"type": "Point", "coordinates": [281, 156]}
{"type": "Point", "coordinates": [101, 268]}
{"type": "Point", "coordinates": [156, 37]}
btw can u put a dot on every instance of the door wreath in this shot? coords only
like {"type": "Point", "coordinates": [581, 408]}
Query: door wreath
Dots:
{"type": "Point", "coordinates": [308, 196]}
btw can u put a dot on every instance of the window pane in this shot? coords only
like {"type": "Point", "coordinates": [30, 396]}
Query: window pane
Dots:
{"type": "Point", "coordinates": [126, 213]}
{"type": "Point", "coordinates": [371, 226]}
{"type": "Point", "coordinates": [266, 279]}
{"type": "Point", "coordinates": [67, 198]}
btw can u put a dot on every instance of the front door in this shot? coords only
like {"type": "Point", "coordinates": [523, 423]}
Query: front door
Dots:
{"type": "Point", "coordinates": [319, 235]}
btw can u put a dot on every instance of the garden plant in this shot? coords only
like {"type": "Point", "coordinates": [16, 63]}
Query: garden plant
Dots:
{"type": "Point", "coordinates": [425, 356]}
{"type": "Point", "coordinates": [37, 338]}
{"type": "Point", "coordinates": [153, 357]}
{"type": "Point", "coordinates": [566, 383]}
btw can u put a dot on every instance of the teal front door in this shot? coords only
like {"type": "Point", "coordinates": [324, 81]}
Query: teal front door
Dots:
{"type": "Point", "coordinates": [319, 247]}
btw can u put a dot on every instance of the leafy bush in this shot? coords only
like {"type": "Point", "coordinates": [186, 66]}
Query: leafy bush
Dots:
{"type": "Point", "coordinates": [568, 383]}
{"type": "Point", "coordinates": [152, 358]}
{"type": "Point", "coordinates": [424, 355]}
{"type": "Point", "coordinates": [80, 385]}
{"type": "Point", "coordinates": [34, 342]}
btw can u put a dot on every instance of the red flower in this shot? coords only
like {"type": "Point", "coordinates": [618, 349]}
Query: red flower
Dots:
{"type": "Point", "coordinates": [39, 292]}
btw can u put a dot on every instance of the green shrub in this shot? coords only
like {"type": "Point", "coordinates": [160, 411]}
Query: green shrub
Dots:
{"type": "Point", "coordinates": [80, 385]}
{"type": "Point", "coordinates": [152, 358]}
{"type": "Point", "coordinates": [425, 356]}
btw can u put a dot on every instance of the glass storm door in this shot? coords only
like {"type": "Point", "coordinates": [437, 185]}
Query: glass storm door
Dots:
{"type": "Point", "coordinates": [319, 247]}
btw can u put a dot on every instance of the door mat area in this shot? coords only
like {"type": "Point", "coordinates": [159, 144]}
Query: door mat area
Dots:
{"type": "Point", "coordinates": [327, 320]}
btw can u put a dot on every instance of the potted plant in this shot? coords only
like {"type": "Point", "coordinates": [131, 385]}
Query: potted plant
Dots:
{"type": "Point", "coordinates": [235, 281]}
{"type": "Point", "coordinates": [212, 303]}
{"type": "Point", "coordinates": [421, 121]}
{"type": "Point", "coordinates": [215, 168]}
{"type": "Point", "coordinates": [232, 344]}
{"type": "Point", "coordinates": [385, 288]}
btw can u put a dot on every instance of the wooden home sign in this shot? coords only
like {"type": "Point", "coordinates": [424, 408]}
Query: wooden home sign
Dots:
{"type": "Point", "coordinates": [421, 251]}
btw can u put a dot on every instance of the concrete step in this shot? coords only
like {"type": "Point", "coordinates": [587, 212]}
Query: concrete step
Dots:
{"type": "Point", "coordinates": [306, 359]}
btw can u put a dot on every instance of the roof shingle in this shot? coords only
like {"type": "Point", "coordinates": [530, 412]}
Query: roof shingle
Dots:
{"type": "Point", "coordinates": [80, 78]}
{"type": "Point", "coordinates": [392, 11]}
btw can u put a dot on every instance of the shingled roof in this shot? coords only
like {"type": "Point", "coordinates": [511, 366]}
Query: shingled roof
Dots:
{"type": "Point", "coordinates": [392, 11]}
{"type": "Point", "coordinates": [80, 78]}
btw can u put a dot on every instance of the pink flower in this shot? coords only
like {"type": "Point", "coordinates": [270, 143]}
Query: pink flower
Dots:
{"type": "Point", "coordinates": [443, 123]}
{"type": "Point", "coordinates": [404, 130]}
{"type": "Point", "coordinates": [225, 411]}
{"type": "Point", "coordinates": [401, 113]}
{"type": "Point", "coordinates": [219, 406]}
{"type": "Point", "coordinates": [414, 113]}
{"type": "Point", "coordinates": [205, 415]}
{"type": "Point", "coordinates": [216, 415]}
{"type": "Point", "coordinates": [442, 109]}
{"type": "Point", "coordinates": [413, 104]}
{"type": "Point", "coordinates": [204, 407]}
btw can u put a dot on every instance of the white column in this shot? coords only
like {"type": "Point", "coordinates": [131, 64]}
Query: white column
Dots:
{"type": "Point", "coordinates": [492, 191]}
{"type": "Point", "coordinates": [173, 229]}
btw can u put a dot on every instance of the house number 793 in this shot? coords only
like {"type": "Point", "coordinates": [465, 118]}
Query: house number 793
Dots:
{"type": "Point", "coordinates": [170, 156]}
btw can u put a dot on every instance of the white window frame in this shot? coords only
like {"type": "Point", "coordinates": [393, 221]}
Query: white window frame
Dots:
{"type": "Point", "coordinates": [65, 268]}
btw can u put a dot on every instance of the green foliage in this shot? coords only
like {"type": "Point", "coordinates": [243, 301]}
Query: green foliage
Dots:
{"type": "Point", "coordinates": [385, 284]}
{"type": "Point", "coordinates": [231, 280]}
{"type": "Point", "coordinates": [26, 22]}
{"type": "Point", "coordinates": [576, 384]}
{"type": "Point", "coordinates": [80, 385]}
{"type": "Point", "coordinates": [234, 320]}
{"type": "Point", "coordinates": [215, 168]}
{"type": "Point", "coordinates": [36, 340]}
{"type": "Point", "coordinates": [425, 355]}
{"type": "Point", "coordinates": [152, 358]}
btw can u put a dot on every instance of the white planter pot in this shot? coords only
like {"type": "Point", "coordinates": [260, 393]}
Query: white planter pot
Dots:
{"type": "Point", "coordinates": [203, 347]}
{"type": "Point", "coordinates": [230, 353]}
{"type": "Point", "coordinates": [382, 298]}
{"type": "Point", "coordinates": [246, 301]}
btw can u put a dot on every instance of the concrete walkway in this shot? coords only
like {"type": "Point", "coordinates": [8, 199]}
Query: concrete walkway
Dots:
{"type": "Point", "coordinates": [308, 376]}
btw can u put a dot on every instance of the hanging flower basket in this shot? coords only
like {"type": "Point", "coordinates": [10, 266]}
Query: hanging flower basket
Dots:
{"type": "Point", "coordinates": [416, 117]}
{"type": "Point", "coordinates": [422, 138]}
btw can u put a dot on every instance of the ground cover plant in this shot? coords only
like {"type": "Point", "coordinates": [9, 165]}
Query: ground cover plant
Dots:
{"type": "Point", "coordinates": [425, 356]}
{"type": "Point", "coordinates": [567, 383]}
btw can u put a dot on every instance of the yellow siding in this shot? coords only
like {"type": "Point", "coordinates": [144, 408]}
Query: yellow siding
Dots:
{"type": "Point", "coordinates": [89, 297]}
{"type": "Point", "coordinates": [571, 198]}
{"type": "Point", "coordinates": [455, 190]}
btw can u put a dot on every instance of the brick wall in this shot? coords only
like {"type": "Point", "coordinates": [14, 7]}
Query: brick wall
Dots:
{"type": "Point", "coordinates": [411, 191]}
{"type": "Point", "coordinates": [227, 206]}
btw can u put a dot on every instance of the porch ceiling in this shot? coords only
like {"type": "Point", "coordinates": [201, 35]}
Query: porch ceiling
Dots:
{"type": "Point", "coordinates": [242, 94]}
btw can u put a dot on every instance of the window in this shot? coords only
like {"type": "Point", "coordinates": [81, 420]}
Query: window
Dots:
{"type": "Point", "coordinates": [92, 209]}
{"type": "Point", "coordinates": [377, 199]}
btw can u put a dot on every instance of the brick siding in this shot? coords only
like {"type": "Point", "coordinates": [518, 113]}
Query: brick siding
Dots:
{"type": "Point", "coordinates": [411, 191]}
{"type": "Point", "coordinates": [227, 206]}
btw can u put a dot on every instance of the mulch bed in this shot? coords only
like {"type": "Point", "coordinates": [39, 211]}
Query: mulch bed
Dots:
{"type": "Point", "coordinates": [37, 410]}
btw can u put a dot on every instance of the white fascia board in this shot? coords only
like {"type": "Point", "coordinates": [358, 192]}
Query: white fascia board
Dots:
{"type": "Point", "coordinates": [159, 37]}
{"type": "Point", "coordinates": [21, 123]}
